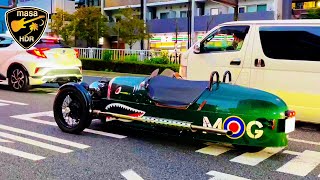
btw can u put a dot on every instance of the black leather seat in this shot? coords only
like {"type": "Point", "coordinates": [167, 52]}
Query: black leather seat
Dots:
{"type": "Point", "coordinates": [177, 93]}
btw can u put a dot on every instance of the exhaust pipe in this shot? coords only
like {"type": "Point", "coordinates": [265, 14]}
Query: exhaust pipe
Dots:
{"type": "Point", "coordinates": [165, 122]}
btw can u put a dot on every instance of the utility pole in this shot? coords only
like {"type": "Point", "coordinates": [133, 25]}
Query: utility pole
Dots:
{"type": "Point", "coordinates": [143, 17]}
{"type": "Point", "coordinates": [236, 11]}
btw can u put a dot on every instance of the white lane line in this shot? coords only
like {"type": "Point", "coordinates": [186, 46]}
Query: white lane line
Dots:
{"type": "Point", "coordinates": [223, 176]}
{"type": "Point", "coordinates": [3, 104]}
{"type": "Point", "coordinates": [35, 143]}
{"type": "Point", "coordinates": [13, 102]}
{"type": "Point", "coordinates": [303, 164]}
{"type": "Point", "coordinates": [5, 141]}
{"type": "Point", "coordinates": [131, 175]}
{"type": "Point", "coordinates": [54, 93]}
{"type": "Point", "coordinates": [29, 117]}
{"type": "Point", "coordinates": [214, 150]}
{"type": "Point", "coordinates": [292, 152]}
{"type": "Point", "coordinates": [253, 159]}
{"type": "Point", "coordinates": [304, 141]}
{"type": "Point", "coordinates": [45, 137]}
{"type": "Point", "coordinates": [20, 153]}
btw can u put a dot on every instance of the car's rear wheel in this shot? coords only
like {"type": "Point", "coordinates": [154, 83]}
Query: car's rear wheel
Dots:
{"type": "Point", "coordinates": [18, 79]}
{"type": "Point", "coordinates": [70, 111]}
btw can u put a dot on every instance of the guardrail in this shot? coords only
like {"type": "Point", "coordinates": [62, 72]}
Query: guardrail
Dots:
{"type": "Point", "coordinates": [127, 54]}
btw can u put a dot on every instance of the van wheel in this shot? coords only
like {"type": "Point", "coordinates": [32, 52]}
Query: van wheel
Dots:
{"type": "Point", "coordinates": [18, 79]}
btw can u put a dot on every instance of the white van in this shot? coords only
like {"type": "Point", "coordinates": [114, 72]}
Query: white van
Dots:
{"type": "Point", "coordinates": [278, 56]}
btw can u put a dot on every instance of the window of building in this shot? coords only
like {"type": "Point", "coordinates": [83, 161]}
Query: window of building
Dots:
{"type": "Point", "coordinates": [172, 14]}
{"type": "Point", "coordinates": [261, 7]}
{"type": "Point", "coordinates": [164, 15]}
{"type": "Point", "coordinates": [214, 11]}
{"type": "Point", "coordinates": [183, 14]}
{"type": "Point", "coordinates": [242, 9]}
{"type": "Point", "coordinates": [293, 43]}
{"type": "Point", "coordinates": [252, 8]}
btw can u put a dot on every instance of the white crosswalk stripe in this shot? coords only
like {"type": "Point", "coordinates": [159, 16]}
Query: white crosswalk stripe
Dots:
{"type": "Point", "coordinates": [44, 137]}
{"type": "Point", "coordinates": [3, 104]}
{"type": "Point", "coordinates": [35, 143]}
{"type": "Point", "coordinates": [131, 175]}
{"type": "Point", "coordinates": [214, 149]}
{"type": "Point", "coordinates": [223, 176]}
{"type": "Point", "coordinates": [13, 102]}
{"type": "Point", "coordinates": [32, 118]}
{"type": "Point", "coordinates": [302, 164]}
{"type": "Point", "coordinates": [253, 159]}
{"type": "Point", "coordinates": [20, 153]}
{"type": "Point", "coordinates": [5, 141]}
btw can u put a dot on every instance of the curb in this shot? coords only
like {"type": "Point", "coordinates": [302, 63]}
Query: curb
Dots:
{"type": "Point", "coordinates": [107, 74]}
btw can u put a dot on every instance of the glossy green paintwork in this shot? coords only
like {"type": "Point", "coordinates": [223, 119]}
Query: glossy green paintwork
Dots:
{"type": "Point", "coordinates": [223, 101]}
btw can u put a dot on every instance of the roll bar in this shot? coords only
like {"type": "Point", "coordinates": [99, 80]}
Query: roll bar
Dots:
{"type": "Point", "coordinates": [227, 73]}
{"type": "Point", "coordinates": [211, 79]}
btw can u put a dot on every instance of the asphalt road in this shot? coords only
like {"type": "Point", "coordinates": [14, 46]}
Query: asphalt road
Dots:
{"type": "Point", "coordinates": [33, 147]}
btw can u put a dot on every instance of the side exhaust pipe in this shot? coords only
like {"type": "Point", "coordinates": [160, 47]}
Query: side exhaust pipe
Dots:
{"type": "Point", "coordinates": [165, 122]}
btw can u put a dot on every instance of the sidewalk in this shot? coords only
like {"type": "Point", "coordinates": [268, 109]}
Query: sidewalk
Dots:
{"type": "Point", "coordinates": [107, 74]}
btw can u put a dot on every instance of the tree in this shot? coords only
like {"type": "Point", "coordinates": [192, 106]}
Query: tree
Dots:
{"type": "Point", "coordinates": [62, 25]}
{"type": "Point", "coordinates": [314, 13]}
{"type": "Point", "coordinates": [89, 24]}
{"type": "Point", "coordinates": [130, 27]}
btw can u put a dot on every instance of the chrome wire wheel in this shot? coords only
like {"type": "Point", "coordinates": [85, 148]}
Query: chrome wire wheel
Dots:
{"type": "Point", "coordinates": [71, 111]}
{"type": "Point", "coordinates": [18, 79]}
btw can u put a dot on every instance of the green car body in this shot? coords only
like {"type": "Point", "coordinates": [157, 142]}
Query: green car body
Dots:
{"type": "Point", "coordinates": [255, 118]}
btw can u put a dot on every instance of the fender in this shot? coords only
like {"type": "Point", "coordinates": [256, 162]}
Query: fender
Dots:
{"type": "Point", "coordinates": [17, 64]}
{"type": "Point", "coordinates": [82, 88]}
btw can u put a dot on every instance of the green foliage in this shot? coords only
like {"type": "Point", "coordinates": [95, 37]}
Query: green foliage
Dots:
{"type": "Point", "coordinates": [61, 25]}
{"type": "Point", "coordinates": [138, 67]}
{"type": "Point", "coordinates": [130, 27]}
{"type": "Point", "coordinates": [314, 13]}
{"type": "Point", "coordinates": [89, 24]}
{"type": "Point", "coordinates": [162, 59]}
{"type": "Point", "coordinates": [107, 55]}
{"type": "Point", "coordinates": [131, 58]}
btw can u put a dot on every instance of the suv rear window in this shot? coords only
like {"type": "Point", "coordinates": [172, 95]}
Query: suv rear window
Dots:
{"type": "Point", "coordinates": [51, 43]}
{"type": "Point", "coordinates": [291, 43]}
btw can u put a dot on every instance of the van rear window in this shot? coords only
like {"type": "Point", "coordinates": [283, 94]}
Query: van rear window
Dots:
{"type": "Point", "coordinates": [291, 43]}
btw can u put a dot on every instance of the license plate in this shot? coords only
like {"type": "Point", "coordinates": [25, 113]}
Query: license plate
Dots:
{"type": "Point", "coordinates": [290, 124]}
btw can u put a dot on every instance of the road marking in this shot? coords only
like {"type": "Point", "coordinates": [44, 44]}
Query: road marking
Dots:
{"type": "Point", "coordinates": [3, 104]}
{"type": "Point", "coordinates": [303, 164]}
{"type": "Point", "coordinates": [304, 141]}
{"type": "Point", "coordinates": [224, 176]}
{"type": "Point", "coordinates": [30, 118]}
{"type": "Point", "coordinates": [35, 143]}
{"type": "Point", "coordinates": [253, 159]}
{"type": "Point", "coordinates": [292, 152]}
{"type": "Point", "coordinates": [319, 175]}
{"type": "Point", "coordinates": [45, 137]}
{"type": "Point", "coordinates": [20, 153]}
{"type": "Point", "coordinates": [54, 93]}
{"type": "Point", "coordinates": [5, 141]}
{"type": "Point", "coordinates": [214, 149]}
{"type": "Point", "coordinates": [131, 175]}
{"type": "Point", "coordinates": [13, 102]}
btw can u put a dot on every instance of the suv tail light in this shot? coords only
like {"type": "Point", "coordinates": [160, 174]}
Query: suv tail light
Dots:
{"type": "Point", "coordinates": [38, 52]}
{"type": "Point", "coordinates": [290, 113]}
{"type": "Point", "coordinates": [77, 52]}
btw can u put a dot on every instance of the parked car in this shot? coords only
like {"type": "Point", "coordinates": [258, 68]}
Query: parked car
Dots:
{"type": "Point", "coordinates": [49, 61]}
{"type": "Point", "coordinates": [277, 56]}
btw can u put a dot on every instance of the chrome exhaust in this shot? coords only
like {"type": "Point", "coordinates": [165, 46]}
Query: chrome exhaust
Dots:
{"type": "Point", "coordinates": [165, 122]}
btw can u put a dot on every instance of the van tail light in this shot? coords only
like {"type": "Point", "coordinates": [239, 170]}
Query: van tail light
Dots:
{"type": "Point", "coordinates": [80, 68]}
{"type": "Point", "coordinates": [38, 52]}
{"type": "Point", "coordinates": [77, 53]}
{"type": "Point", "coordinates": [290, 113]}
{"type": "Point", "coordinates": [36, 70]}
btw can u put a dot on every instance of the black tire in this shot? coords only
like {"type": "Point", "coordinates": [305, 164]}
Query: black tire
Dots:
{"type": "Point", "coordinates": [18, 79]}
{"type": "Point", "coordinates": [78, 110]}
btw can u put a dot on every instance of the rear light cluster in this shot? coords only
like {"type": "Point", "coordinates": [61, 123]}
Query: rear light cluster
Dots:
{"type": "Point", "coordinates": [38, 52]}
{"type": "Point", "coordinates": [290, 113]}
{"type": "Point", "coordinates": [77, 52]}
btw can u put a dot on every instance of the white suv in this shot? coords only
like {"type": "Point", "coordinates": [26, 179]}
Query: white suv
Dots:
{"type": "Point", "coordinates": [49, 61]}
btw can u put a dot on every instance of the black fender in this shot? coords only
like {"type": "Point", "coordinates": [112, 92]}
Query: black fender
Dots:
{"type": "Point", "coordinates": [83, 89]}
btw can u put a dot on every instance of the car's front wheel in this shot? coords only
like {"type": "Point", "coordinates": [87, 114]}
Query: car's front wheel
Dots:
{"type": "Point", "coordinates": [18, 79]}
{"type": "Point", "coordinates": [70, 111]}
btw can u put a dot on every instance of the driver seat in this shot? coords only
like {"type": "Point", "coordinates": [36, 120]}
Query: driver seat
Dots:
{"type": "Point", "coordinates": [175, 93]}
